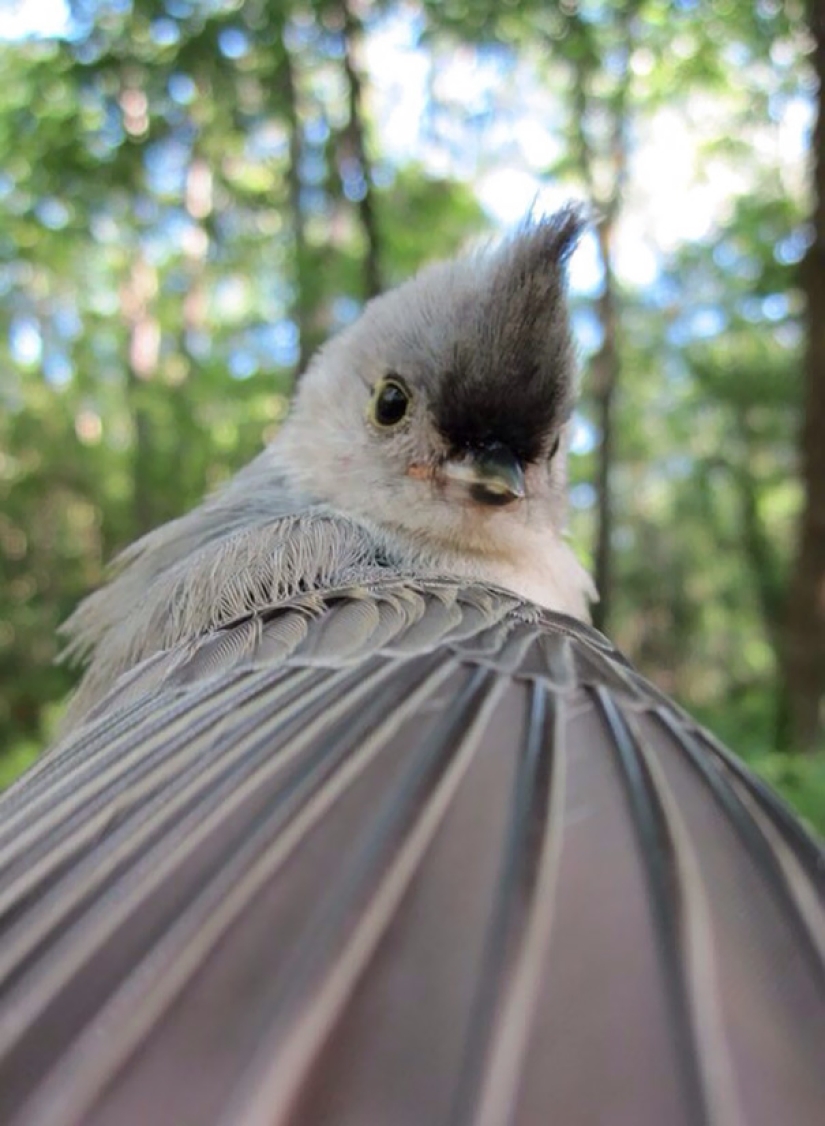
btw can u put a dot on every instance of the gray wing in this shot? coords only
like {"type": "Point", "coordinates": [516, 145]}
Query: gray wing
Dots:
{"type": "Point", "coordinates": [408, 855]}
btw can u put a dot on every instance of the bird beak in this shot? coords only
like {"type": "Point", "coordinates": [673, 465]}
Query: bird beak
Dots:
{"type": "Point", "coordinates": [492, 475]}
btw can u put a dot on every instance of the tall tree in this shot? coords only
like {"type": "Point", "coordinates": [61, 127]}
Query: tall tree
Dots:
{"type": "Point", "coordinates": [302, 306]}
{"type": "Point", "coordinates": [354, 155]}
{"type": "Point", "coordinates": [805, 658]}
{"type": "Point", "coordinates": [600, 117]}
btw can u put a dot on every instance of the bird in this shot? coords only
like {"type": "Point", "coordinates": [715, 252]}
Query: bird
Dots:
{"type": "Point", "coordinates": [356, 820]}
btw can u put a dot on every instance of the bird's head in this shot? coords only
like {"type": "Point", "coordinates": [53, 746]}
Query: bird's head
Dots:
{"type": "Point", "coordinates": [440, 414]}
{"type": "Point", "coordinates": [436, 422]}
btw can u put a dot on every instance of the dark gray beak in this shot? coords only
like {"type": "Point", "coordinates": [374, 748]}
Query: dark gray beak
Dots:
{"type": "Point", "coordinates": [492, 475]}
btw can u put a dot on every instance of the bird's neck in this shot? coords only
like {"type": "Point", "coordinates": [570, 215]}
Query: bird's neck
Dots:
{"type": "Point", "coordinates": [540, 567]}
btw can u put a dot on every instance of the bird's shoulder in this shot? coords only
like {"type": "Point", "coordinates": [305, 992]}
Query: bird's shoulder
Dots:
{"type": "Point", "coordinates": [384, 619]}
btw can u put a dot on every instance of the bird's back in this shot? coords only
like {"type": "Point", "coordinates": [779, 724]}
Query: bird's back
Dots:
{"type": "Point", "coordinates": [409, 853]}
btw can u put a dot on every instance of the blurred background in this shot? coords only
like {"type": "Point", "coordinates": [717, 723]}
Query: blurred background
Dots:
{"type": "Point", "coordinates": [195, 193]}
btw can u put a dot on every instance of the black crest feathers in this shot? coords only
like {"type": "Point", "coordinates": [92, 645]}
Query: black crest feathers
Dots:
{"type": "Point", "coordinates": [511, 372]}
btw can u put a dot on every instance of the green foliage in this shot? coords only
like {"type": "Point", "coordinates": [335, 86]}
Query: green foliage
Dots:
{"type": "Point", "coordinates": [800, 779]}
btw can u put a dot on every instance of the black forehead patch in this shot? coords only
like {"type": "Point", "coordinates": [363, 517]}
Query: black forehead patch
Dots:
{"type": "Point", "coordinates": [510, 374]}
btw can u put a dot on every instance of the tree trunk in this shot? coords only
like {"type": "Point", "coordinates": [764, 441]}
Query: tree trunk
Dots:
{"type": "Point", "coordinates": [302, 306]}
{"type": "Point", "coordinates": [603, 167]}
{"type": "Point", "coordinates": [605, 378]}
{"type": "Point", "coordinates": [355, 148]}
{"type": "Point", "coordinates": [141, 367]}
{"type": "Point", "coordinates": [805, 639]}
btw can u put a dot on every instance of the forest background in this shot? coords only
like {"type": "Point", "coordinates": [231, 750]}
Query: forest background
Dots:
{"type": "Point", "coordinates": [195, 193]}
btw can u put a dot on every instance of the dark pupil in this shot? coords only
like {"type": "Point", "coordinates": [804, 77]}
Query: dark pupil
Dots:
{"type": "Point", "coordinates": [391, 405]}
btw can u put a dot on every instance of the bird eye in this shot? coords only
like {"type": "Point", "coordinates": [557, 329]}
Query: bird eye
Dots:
{"type": "Point", "coordinates": [390, 402]}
